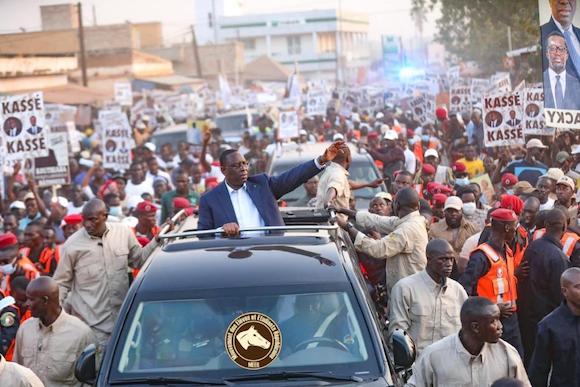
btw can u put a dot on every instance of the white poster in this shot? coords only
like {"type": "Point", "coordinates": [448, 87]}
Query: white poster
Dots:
{"type": "Point", "coordinates": [478, 88]}
{"type": "Point", "coordinates": [562, 118]}
{"type": "Point", "coordinates": [460, 99]}
{"type": "Point", "coordinates": [316, 103]}
{"type": "Point", "coordinates": [288, 124]}
{"type": "Point", "coordinates": [23, 128]}
{"type": "Point", "coordinates": [117, 140]}
{"type": "Point", "coordinates": [534, 123]}
{"type": "Point", "coordinates": [502, 119]}
{"type": "Point", "coordinates": [500, 83]}
{"type": "Point", "coordinates": [123, 93]}
{"type": "Point", "coordinates": [54, 168]}
{"type": "Point", "coordinates": [419, 109]}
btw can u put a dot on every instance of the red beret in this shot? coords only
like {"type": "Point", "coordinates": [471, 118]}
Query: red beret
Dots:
{"type": "Point", "coordinates": [71, 219]}
{"type": "Point", "coordinates": [143, 240]}
{"type": "Point", "coordinates": [146, 207]}
{"type": "Point", "coordinates": [428, 169]}
{"type": "Point", "coordinates": [439, 199]}
{"type": "Point", "coordinates": [433, 186]}
{"type": "Point", "coordinates": [8, 240]}
{"type": "Point", "coordinates": [180, 203]}
{"type": "Point", "coordinates": [504, 215]}
{"type": "Point", "coordinates": [373, 135]}
{"type": "Point", "coordinates": [459, 167]}
{"type": "Point", "coordinates": [508, 179]}
{"type": "Point", "coordinates": [441, 113]}
{"type": "Point", "coordinates": [512, 202]}
{"type": "Point", "coordinates": [211, 180]}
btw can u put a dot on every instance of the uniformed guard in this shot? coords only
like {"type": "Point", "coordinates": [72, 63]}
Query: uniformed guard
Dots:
{"type": "Point", "coordinates": [13, 264]}
{"type": "Point", "coordinates": [9, 324]}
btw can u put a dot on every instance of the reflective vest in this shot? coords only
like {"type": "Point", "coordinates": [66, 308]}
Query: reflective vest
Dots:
{"type": "Point", "coordinates": [47, 256]}
{"type": "Point", "coordinates": [499, 283]}
{"type": "Point", "coordinates": [521, 243]}
{"type": "Point", "coordinates": [568, 240]}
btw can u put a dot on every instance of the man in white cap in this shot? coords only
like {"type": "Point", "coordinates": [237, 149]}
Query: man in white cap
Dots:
{"type": "Point", "coordinates": [391, 155]}
{"type": "Point", "coordinates": [554, 174]}
{"type": "Point", "coordinates": [565, 193]}
{"type": "Point", "coordinates": [529, 169]}
{"type": "Point", "coordinates": [443, 174]}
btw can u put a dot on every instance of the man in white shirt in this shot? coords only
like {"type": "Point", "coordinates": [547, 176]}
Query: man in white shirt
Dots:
{"type": "Point", "coordinates": [138, 185]}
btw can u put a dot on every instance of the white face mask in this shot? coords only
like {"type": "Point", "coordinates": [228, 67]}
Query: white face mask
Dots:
{"type": "Point", "coordinates": [462, 182]}
{"type": "Point", "coordinates": [8, 269]}
{"type": "Point", "coordinates": [116, 211]}
{"type": "Point", "coordinates": [469, 208]}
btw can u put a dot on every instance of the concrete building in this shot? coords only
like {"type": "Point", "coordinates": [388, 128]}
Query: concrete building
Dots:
{"type": "Point", "coordinates": [323, 44]}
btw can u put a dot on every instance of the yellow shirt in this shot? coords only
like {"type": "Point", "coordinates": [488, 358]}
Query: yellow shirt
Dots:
{"type": "Point", "coordinates": [474, 167]}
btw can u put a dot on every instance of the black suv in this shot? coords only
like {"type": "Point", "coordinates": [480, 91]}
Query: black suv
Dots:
{"type": "Point", "coordinates": [173, 326]}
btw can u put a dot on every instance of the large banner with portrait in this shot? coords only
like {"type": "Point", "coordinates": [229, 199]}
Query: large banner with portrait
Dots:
{"type": "Point", "coordinates": [560, 37]}
{"type": "Point", "coordinates": [117, 139]}
{"type": "Point", "coordinates": [502, 119]}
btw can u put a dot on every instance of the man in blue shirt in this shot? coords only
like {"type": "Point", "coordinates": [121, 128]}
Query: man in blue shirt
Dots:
{"type": "Point", "coordinates": [529, 169]}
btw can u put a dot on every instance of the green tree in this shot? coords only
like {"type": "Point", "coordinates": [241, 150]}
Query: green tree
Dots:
{"type": "Point", "coordinates": [478, 29]}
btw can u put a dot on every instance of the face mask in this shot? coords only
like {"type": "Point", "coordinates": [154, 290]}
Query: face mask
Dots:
{"type": "Point", "coordinates": [462, 182]}
{"type": "Point", "coordinates": [8, 269]}
{"type": "Point", "coordinates": [425, 138]}
{"type": "Point", "coordinates": [116, 211]}
{"type": "Point", "coordinates": [469, 208]}
{"type": "Point", "coordinates": [510, 191]}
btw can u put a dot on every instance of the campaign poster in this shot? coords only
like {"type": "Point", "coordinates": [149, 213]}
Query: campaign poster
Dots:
{"type": "Point", "coordinates": [478, 88]}
{"type": "Point", "coordinates": [316, 102]}
{"type": "Point", "coordinates": [486, 186]}
{"type": "Point", "coordinates": [502, 119]}
{"type": "Point", "coordinates": [54, 168]}
{"type": "Point", "coordinates": [288, 124]}
{"type": "Point", "coordinates": [453, 74]}
{"type": "Point", "coordinates": [500, 83]}
{"type": "Point", "coordinates": [560, 40]}
{"type": "Point", "coordinates": [533, 113]}
{"type": "Point", "coordinates": [61, 118]}
{"type": "Point", "coordinates": [460, 99]}
{"type": "Point", "coordinates": [117, 140]}
{"type": "Point", "coordinates": [123, 93]}
{"type": "Point", "coordinates": [418, 106]}
{"type": "Point", "coordinates": [23, 128]}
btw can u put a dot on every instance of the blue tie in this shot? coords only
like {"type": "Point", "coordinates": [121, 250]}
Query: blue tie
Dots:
{"type": "Point", "coordinates": [572, 49]}
{"type": "Point", "coordinates": [559, 94]}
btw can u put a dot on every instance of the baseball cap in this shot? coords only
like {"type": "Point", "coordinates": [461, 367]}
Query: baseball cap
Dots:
{"type": "Point", "coordinates": [535, 143]}
{"type": "Point", "coordinates": [431, 152]}
{"type": "Point", "coordinates": [18, 205]}
{"type": "Point", "coordinates": [554, 174]}
{"type": "Point", "coordinates": [391, 135]}
{"type": "Point", "coordinates": [337, 136]}
{"type": "Point", "coordinates": [303, 132]}
{"type": "Point", "coordinates": [523, 187]}
{"type": "Point", "coordinates": [150, 146]}
{"type": "Point", "coordinates": [453, 202]}
{"type": "Point", "coordinates": [562, 156]}
{"type": "Point", "coordinates": [384, 195]}
{"type": "Point", "coordinates": [63, 202]}
{"type": "Point", "coordinates": [28, 196]}
{"type": "Point", "coordinates": [379, 115]}
{"type": "Point", "coordinates": [565, 180]}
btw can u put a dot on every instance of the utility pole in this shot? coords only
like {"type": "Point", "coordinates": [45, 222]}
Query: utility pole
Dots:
{"type": "Point", "coordinates": [195, 49]}
{"type": "Point", "coordinates": [509, 33]}
{"type": "Point", "coordinates": [82, 45]}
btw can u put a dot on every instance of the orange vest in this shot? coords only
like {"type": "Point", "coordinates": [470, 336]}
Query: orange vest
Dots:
{"type": "Point", "coordinates": [521, 245]}
{"type": "Point", "coordinates": [47, 256]}
{"type": "Point", "coordinates": [154, 231]}
{"type": "Point", "coordinates": [499, 283]}
{"type": "Point", "coordinates": [568, 241]}
{"type": "Point", "coordinates": [27, 267]}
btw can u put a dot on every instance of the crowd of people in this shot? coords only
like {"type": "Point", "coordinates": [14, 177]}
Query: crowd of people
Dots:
{"type": "Point", "coordinates": [477, 248]}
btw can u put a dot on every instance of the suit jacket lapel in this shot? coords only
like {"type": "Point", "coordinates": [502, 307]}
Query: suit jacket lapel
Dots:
{"type": "Point", "coordinates": [226, 203]}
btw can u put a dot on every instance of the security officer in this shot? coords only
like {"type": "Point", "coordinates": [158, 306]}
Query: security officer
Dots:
{"type": "Point", "coordinates": [12, 264]}
{"type": "Point", "coordinates": [490, 273]}
{"type": "Point", "coordinates": [9, 325]}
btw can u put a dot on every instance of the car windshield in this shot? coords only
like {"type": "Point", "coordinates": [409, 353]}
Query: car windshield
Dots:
{"type": "Point", "coordinates": [233, 125]}
{"type": "Point", "coordinates": [360, 170]}
{"type": "Point", "coordinates": [322, 331]}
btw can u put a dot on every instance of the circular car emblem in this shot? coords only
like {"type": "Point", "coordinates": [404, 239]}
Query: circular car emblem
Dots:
{"type": "Point", "coordinates": [253, 341]}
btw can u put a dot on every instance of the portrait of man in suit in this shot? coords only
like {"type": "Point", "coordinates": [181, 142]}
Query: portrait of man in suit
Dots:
{"type": "Point", "coordinates": [12, 126]}
{"type": "Point", "coordinates": [513, 121]}
{"type": "Point", "coordinates": [561, 20]}
{"type": "Point", "coordinates": [493, 119]}
{"type": "Point", "coordinates": [561, 88]}
{"type": "Point", "coordinates": [34, 129]}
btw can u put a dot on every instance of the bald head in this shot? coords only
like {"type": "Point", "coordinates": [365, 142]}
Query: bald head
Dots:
{"type": "Point", "coordinates": [407, 198]}
{"type": "Point", "coordinates": [43, 287]}
{"type": "Point", "coordinates": [532, 203]}
{"type": "Point", "coordinates": [556, 222]}
{"type": "Point", "coordinates": [570, 277]}
{"type": "Point", "coordinates": [94, 206]}
{"type": "Point", "coordinates": [438, 247]}
{"type": "Point", "coordinates": [43, 300]}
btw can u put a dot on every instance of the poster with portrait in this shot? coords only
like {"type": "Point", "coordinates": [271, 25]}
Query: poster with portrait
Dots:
{"type": "Point", "coordinates": [288, 124]}
{"type": "Point", "coordinates": [560, 40]}
{"type": "Point", "coordinates": [533, 112]}
{"type": "Point", "coordinates": [502, 119]}
{"type": "Point", "coordinates": [478, 88]}
{"type": "Point", "coordinates": [53, 169]}
{"type": "Point", "coordinates": [23, 127]}
{"type": "Point", "coordinates": [500, 82]}
{"type": "Point", "coordinates": [123, 94]}
{"type": "Point", "coordinates": [117, 140]}
{"type": "Point", "coordinates": [486, 186]}
{"type": "Point", "coordinates": [316, 102]}
{"type": "Point", "coordinates": [421, 106]}
{"type": "Point", "coordinates": [460, 99]}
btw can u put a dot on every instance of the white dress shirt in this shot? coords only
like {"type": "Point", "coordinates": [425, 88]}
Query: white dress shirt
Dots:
{"type": "Point", "coordinates": [245, 209]}
{"type": "Point", "coordinates": [410, 160]}
{"type": "Point", "coordinates": [552, 74]}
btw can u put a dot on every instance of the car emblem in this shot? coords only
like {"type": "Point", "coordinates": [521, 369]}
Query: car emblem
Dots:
{"type": "Point", "coordinates": [253, 341]}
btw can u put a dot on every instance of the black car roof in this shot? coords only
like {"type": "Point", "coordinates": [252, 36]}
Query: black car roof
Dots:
{"type": "Point", "coordinates": [188, 264]}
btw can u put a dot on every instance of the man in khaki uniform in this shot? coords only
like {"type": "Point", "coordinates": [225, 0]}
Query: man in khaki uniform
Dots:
{"type": "Point", "coordinates": [50, 342]}
{"type": "Point", "coordinates": [14, 375]}
{"type": "Point", "coordinates": [92, 272]}
{"type": "Point", "coordinates": [404, 246]}
{"type": "Point", "coordinates": [476, 356]}
{"type": "Point", "coordinates": [427, 304]}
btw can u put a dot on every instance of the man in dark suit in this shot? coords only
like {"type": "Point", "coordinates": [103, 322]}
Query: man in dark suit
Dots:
{"type": "Point", "coordinates": [561, 89]}
{"type": "Point", "coordinates": [513, 121]}
{"type": "Point", "coordinates": [34, 130]}
{"type": "Point", "coordinates": [244, 202]}
{"type": "Point", "coordinates": [561, 21]}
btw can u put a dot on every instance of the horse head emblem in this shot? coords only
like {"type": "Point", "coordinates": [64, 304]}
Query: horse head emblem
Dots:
{"type": "Point", "coordinates": [251, 337]}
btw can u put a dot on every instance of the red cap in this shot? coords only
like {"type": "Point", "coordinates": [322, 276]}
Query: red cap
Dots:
{"type": "Point", "coordinates": [459, 167]}
{"type": "Point", "coordinates": [512, 202]}
{"type": "Point", "coordinates": [410, 132]}
{"type": "Point", "coordinates": [8, 240]}
{"type": "Point", "coordinates": [428, 169]}
{"type": "Point", "coordinates": [508, 179]}
{"type": "Point", "coordinates": [72, 219]}
{"type": "Point", "coordinates": [441, 113]}
{"type": "Point", "coordinates": [143, 240]}
{"type": "Point", "coordinates": [180, 203]}
{"type": "Point", "coordinates": [504, 215]}
{"type": "Point", "coordinates": [211, 180]}
{"type": "Point", "coordinates": [146, 208]}
{"type": "Point", "coordinates": [373, 135]}
{"type": "Point", "coordinates": [439, 199]}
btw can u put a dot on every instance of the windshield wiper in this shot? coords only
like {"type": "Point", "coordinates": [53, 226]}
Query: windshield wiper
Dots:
{"type": "Point", "coordinates": [284, 375]}
{"type": "Point", "coordinates": [162, 381]}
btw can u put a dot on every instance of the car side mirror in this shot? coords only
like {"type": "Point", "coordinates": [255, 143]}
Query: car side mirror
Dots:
{"type": "Point", "coordinates": [404, 351]}
{"type": "Point", "coordinates": [85, 366]}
